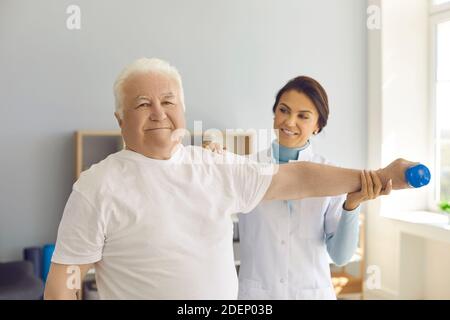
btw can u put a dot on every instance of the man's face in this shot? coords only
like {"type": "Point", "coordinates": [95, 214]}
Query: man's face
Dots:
{"type": "Point", "coordinates": [152, 111]}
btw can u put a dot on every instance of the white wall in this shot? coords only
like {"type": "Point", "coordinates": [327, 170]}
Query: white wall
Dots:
{"type": "Point", "coordinates": [233, 55]}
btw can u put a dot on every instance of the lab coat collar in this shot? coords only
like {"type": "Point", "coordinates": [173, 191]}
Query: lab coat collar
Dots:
{"type": "Point", "coordinates": [305, 154]}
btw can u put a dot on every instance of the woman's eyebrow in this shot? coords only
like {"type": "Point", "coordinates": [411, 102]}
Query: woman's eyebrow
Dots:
{"type": "Point", "coordinates": [285, 105]}
{"type": "Point", "coordinates": [301, 111]}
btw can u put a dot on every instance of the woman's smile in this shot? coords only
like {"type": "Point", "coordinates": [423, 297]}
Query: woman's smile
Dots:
{"type": "Point", "coordinates": [288, 132]}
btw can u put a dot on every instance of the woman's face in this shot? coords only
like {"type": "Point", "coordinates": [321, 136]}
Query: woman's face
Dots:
{"type": "Point", "coordinates": [296, 118]}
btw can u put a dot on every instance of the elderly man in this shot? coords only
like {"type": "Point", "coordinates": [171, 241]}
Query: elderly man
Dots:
{"type": "Point", "coordinates": [157, 225]}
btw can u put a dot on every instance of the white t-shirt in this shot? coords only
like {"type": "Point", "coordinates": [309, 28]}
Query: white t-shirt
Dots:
{"type": "Point", "coordinates": [159, 229]}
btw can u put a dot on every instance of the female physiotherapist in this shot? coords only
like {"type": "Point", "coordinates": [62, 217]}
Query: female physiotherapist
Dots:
{"type": "Point", "coordinates": [284, 245]}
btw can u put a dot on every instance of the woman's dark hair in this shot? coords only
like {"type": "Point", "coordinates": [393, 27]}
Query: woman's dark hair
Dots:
{"type": "Point", "coordinates": [314, 91]}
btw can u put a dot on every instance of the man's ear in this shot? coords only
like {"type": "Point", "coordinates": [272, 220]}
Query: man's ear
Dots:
{"type": "Point", "coordinates": [119, 120]}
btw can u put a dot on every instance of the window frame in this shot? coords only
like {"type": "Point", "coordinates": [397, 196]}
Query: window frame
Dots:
{"type": "Point", "coordinates": [438, 14]}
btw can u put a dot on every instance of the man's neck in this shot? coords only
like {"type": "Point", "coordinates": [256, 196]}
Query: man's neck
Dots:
{"type": "Point", "coordinates": [164, 154]}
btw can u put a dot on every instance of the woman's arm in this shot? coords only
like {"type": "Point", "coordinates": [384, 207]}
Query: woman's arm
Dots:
{"type": "Point", "coordinates": [342, 242]}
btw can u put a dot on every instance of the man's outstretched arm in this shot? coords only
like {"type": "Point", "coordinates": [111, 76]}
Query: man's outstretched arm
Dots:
{"type": "Point", "coordinates": [307, 179]}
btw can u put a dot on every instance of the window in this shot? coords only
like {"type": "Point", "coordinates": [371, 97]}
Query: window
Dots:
{"type": "Point", "coordinates": [439, 2]}
{"type": "Point", "coordinates": [439, 5]}
{"type": "Point", "coordinates": [440, 28]}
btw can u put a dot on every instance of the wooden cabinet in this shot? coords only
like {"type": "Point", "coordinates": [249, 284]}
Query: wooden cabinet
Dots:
{"type": "Point", "coordinates": [94, 146]}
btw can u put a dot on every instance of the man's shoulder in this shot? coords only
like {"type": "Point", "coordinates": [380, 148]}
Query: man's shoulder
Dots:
{"type": "Point", "coordinates": [98, 174]}
{"type": "Point", "coordinates": [199, 155]}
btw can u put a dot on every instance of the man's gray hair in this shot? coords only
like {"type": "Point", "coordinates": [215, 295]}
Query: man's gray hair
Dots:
{"type": "Point", "coordinates": [144, 65]}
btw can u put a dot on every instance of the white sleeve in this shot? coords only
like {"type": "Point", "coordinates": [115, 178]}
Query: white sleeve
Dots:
{"type": "Point", "coordinates": [251, 183]}
{"type": "Point", "coordinates": [81, 233]}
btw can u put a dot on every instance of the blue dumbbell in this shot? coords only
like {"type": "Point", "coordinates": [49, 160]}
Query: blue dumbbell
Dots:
{"type": "Point", "coordinates": [418, 176]}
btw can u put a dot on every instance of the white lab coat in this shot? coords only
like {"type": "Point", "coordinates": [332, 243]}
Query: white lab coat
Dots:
{"type": "Point", "coordinates": [283, 252]}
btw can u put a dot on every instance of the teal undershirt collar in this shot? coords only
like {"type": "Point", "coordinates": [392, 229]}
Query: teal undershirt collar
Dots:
{"type": "Point", "coordinates": [283, 154]}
